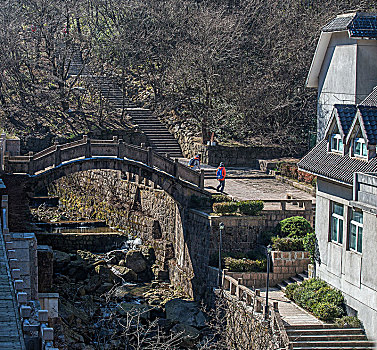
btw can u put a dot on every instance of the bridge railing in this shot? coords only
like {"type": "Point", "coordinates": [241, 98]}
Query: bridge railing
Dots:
{"type": "Point", "coordinates": [87, 148]}
{"type": "Point", "coordinates": [236, 289]}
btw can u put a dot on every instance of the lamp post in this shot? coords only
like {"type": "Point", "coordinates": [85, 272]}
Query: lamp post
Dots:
{"type": "Point", "coordinates": [268, 253]}
{"type": "Point", "coordinates": [221, 228]}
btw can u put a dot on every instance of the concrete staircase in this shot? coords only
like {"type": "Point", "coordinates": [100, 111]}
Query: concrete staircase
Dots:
{"type": "Point", "coordinates": [327, 336]}
{"type": "Point", "coordinates": [159, 137]}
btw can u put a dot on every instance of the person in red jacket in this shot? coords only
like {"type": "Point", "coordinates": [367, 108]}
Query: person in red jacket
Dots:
{"type": "Point", "coordinates": [220, 174]}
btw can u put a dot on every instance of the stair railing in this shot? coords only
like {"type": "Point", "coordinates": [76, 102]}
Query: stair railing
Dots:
{"type": "Point", "coordinates": [235, 288]}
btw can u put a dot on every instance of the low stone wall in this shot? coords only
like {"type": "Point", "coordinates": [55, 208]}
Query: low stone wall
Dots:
{"type": "Point", "coordinates": [70, 242]}
{"type": "Point", "coordinates": [284, 265]}
{"type": "Point", "coordinates": [242, 233]}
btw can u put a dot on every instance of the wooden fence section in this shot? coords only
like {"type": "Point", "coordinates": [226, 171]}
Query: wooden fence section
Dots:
{"type": "Point", "coordinates": [236, 289]}
{"type": "Point", "coordinates": [55, 155]}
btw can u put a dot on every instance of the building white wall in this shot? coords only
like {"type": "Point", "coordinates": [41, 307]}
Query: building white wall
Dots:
{"type": "Point", "coordinates": [351, 272]}
{"type": "Point", "coordinates": [348, 75]}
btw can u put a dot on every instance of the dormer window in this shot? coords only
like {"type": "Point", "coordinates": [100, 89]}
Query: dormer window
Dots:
{"type": "Point", "coordinates": [360, 147]}
{"type": "Point", "coordinates": [336, 143]}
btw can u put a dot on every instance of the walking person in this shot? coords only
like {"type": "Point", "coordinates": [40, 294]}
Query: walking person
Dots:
{"type": "Point", "coordinates": [220, 174]}
{"type": "Point", "coordinates": [194, 162]}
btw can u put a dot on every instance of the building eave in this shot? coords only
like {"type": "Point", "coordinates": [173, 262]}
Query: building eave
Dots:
{"type": "Point", "coordinates": [325, 177]}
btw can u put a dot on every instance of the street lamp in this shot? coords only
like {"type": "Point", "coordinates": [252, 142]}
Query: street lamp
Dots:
{"type": "Point", "coordinates": [268, 253]}
{"type": "Point", "coordinates": [221, 228]}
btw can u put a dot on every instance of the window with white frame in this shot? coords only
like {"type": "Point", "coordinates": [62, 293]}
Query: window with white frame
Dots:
{"type": "Point", "coordinates": [360, 147]}
{"type": "Point", "coordinates": [337, 219]}
{"type": "Point", "coordinates": [336, 144]}
{"type": "Point", "coordinates": [356, 231]}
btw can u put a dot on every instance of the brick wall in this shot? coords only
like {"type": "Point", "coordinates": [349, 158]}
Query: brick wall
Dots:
{"type": "Point", "coordinates": [284, 265]}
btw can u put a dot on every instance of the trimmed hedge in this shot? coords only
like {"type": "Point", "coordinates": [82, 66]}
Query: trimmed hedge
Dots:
{"type": "Point", "coordinates": [250, 207]}
{"type": "Point", "coordinates": [287, 244]}
{"type": "Point", "coordinates": [220, 198]}
{"type": "Point", "coordinates": [294, 227]}
{"type": "Point", "coordinates": [245, 265]}
{"type": "Point", "coordinates": [244, 207]}
{"type": "Point", "coordinates": [225, 207]}
{"type": "Point", "coordinates": [318, 297]}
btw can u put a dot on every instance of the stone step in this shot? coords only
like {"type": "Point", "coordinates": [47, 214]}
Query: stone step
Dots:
{"type": "Point", "coordinates": [324, 331]}
{"type": "Point", "coordinates": [324, 337]}
{"type": "Point", "coordinates": [333, 344]}
{"type": "Point", "coordinates": [311, 347]}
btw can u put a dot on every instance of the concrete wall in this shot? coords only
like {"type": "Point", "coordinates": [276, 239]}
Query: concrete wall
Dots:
{"type": "Point", "coordinates": [348, 75]}
{"type": "Point", "coordinates": [351, 272]}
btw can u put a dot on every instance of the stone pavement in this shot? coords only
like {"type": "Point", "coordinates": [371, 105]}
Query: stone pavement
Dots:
{"type": "Point", "coordinates": [291, 314]}
{"type": "Point", "coordinates": [251, 184]}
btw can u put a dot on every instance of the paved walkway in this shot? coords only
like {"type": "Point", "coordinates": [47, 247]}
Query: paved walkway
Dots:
{"type": "Point", "coordinates": [10, 333]}
{"type": "Point", "coordinates": [291, 314]}
{"type": "Point", "coordinates": [251, 184]}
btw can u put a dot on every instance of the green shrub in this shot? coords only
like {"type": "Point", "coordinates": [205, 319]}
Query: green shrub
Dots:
{"type": "Point", "coordinates": [290, 289]}
{"type": "Point", "coordinates": [295, 227]}
{"type": "Point", "coordinates": [287, 244]}
{"type": "Point", "coordinates": [311, 245]}
{"type": "Point", "coordinates": [221, 198]}
{"type": "Point", "coordinates": [331, 295]}
{"type": "Point", "coordinates": [245, 265]}
{"type": "Point", "coordinates": [327, 311]}
{"type": "Point", "coordinates": [314, 284]}
{"type": "Point", "coordinates": [250, 207]}
{"type": "Point", "coordinates": [225, 207]}
{"type": "Point", "coordinates": [348, 322]}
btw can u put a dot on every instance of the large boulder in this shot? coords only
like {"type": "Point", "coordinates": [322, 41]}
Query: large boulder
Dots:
{"type": "Point", "coordinates": [106, 274]}
{"type": "Point", "coordinates": [189, 336]}
{"type": "Point", "coordinates": [186, 312]}
{"type": "Point", "coordinates": [61, 258]}
{"type": "Point", "coordinates": [135, 310]}
{"type": "Point", "coordinates": [124, 272]}
{"type": "Point", "coordinates": [135, 261]}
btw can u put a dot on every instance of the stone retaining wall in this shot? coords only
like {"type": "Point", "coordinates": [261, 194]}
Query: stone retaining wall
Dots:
{"type": "Point", "coordinates": [284, 265]}
{"type": "Point", "coordinates": [71, 242]}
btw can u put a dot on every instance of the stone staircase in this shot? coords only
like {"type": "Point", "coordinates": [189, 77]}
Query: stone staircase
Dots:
{"type": "Point", "coordinates": [327, 336]}
{"type": "Point", "coordinates": [295, 279]}
{"type": "Point", "coordinates": [159, 137]}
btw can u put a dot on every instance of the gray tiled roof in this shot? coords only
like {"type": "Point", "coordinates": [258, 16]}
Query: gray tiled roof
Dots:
{"type": "Point", "coordinates": [359, 25]}
{"type": "Point", "coordinates": [338, 24]}
{"type": "Point", "coordinates": [334, 166]}
{"type": "Point", "coordinates": [369, 117]}
{"type": "Point", "coordinates": [371, 99]}
{"type": "Point", "coordinates": [346, 115]}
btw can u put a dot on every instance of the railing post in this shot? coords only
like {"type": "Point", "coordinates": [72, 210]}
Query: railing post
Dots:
{"type": "Point", "coordinates": [225, 282]}
{"type": "Point", "coordinates": [6, 162]}
{"type": "Point", "coordinates": [150, 157]}
{"type": "Point", "coordinates": [5, 212]}
{"type": "Point", "coordinates": [176, 165]}
{"type": "Point", "coordinates": [201, 179]}
{"type": "Point", "coordinates": [121, 149]}
{"type": "Point", "coordinates": [31, 164]}
{"type": "Point", "coordinates": [258, 303]}
{"type": "Point", "coordinates": [58, 154]}
{"type": "Point", "coordinates": [2, 150]}
{"type": "Point", "coordinates": [283, 205]}
{"type": "Point", "coordinates": [88, 148]}
{"type": "Point", "coordinates": [276, 305]}
{"type": "Point", "coordinates": [238, 290]}
{"type": "Point", "coordinates": [233, 288]}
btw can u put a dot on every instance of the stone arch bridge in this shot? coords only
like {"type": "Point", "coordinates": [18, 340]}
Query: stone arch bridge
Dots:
{"type": "Point", "coordinates": [166, 188]}
{"type": "Point", "coordinates": [140, 164]}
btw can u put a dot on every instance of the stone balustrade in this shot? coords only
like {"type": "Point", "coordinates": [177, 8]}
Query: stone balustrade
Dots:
{"type": "Point", "coordinates": [87, 148]}
{"type": "Point", "coordinates": [21, 255]}
{"type": "Point", "coordinates": [238, 291]}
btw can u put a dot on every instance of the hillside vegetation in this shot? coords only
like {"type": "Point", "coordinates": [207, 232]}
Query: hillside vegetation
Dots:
{"type": "Point", "coordinates": [236, 68]}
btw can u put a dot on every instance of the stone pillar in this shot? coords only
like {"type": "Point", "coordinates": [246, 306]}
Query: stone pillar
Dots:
{"type": "Point", "coordinates": [31, 164]}
{"type": "Point", "coordinates": [150, 157]}
{"type": "Point", "coordinates": [58, 154]}
{"type": "Point", "coordinates": [201, 179]}
{"type": "Point", "coordinates": [45, 268]}
{"type": "Point", "coordinates": [2, 150]}
{"type": "Point", "coordinates": [121, 149]}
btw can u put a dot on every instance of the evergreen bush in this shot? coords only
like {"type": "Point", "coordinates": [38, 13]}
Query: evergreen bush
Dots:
{"type": "Point", "coordinates": [287, 244]}
{"type": "Point", "coordinates": [225, 207]}
{"type": "Point", "coordinates": [221, 198]}
{"type": "Point", "coordinates": [245, 265]}
{"type": "Point", "coordinates": [294, 227]}
{"type": "Point", "coordinates": [348, 322]}
{"type": "Point", "coordinates": [290, 289]}
{"type": "Point", "coordinates": [250, 207]}
{"type": "Point", "coordinates": [327, 311]}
